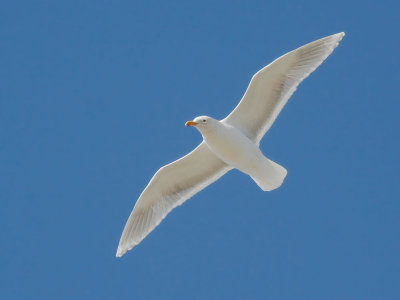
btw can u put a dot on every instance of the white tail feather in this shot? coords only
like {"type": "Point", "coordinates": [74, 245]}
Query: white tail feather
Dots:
{"type": "Point", "coordinates": [269, 175]}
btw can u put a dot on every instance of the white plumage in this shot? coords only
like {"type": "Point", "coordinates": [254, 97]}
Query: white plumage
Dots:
{"type": "Point", "coordinates": [229, 143]}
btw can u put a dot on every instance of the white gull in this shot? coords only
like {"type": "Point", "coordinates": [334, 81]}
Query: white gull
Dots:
{"type": "Point", "coordinates": [230, 143]}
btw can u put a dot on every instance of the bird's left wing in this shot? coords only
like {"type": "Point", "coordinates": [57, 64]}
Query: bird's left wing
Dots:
{"type": "Point", "coordinates": [271, 87]}
{"type": "Point", "coordinates": [172, 185]}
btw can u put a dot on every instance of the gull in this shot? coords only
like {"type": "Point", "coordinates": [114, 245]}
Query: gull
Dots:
{"type": "Point", "coordinates": [230, 143]}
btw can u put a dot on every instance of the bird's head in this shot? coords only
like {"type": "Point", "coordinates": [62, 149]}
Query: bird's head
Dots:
{"type": "Point", "coordinates": [203, 123]}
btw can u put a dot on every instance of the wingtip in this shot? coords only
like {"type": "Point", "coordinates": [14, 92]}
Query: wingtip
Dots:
{"type": "Point", "coordinates": [123, 249]}
{"type": "Point", "coordinates": [336, 39]}
{"type": "Point", "coordinates": [339, 35]}
{"type": "Point", "coordinates": [120, 252]}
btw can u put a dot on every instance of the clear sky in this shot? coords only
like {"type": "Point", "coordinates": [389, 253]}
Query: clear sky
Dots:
{"type": "Point", "coordinates": [93, 100]}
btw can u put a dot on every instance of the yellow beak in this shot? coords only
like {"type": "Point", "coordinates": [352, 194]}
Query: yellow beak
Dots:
{"type": "Point", "coordinates": [191, 123]}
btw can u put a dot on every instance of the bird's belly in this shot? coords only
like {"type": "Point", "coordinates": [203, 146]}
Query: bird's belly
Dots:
{"type": "Point", "coordinates": [235, 150]}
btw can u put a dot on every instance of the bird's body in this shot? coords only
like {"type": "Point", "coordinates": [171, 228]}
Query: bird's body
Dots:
{"type": "Point", "coordinates": [231, 146]}
{"type": "Point", "coordinates": [234, 148]}
{"type": "Point", "coordinates": [230, 143]}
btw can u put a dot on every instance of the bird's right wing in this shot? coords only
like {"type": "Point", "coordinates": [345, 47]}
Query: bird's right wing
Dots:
{"type": "Point", "coordinates": [271, 87]}
{"type": "Point", "coordinates": [172, 185]}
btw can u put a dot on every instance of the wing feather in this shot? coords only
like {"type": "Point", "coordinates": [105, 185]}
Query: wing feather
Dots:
{"type": "Point", "coordinates": [271, 87]}
{"type": "Point", "coordinates": [172, 185]}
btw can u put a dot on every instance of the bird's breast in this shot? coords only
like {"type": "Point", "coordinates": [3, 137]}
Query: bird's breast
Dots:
{"type": "Point", "coordinates": [234, 148]}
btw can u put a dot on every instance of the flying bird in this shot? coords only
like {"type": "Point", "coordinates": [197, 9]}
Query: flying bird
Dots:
{"type": "Point", "coordinates": [230, 143]}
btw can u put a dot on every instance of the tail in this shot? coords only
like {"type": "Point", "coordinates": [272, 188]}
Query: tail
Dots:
{"type": "Point", "coordinates": [269, 175]}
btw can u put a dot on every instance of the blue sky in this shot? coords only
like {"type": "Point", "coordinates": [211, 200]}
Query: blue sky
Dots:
{"type": "Point", "coordinates": [93, 100]}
